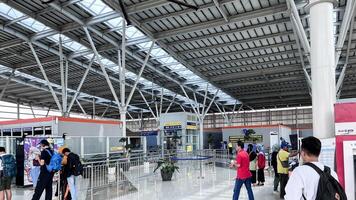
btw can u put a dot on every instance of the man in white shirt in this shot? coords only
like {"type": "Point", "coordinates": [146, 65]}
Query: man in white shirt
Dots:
{"type": "Point", "coordinates": [304, 181]}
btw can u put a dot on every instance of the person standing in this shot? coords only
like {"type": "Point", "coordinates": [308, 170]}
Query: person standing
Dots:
{"type": "Point", "coordinates": [7, 173]}
{"type": "Point", "coordinates": [45, 179]}
{"type": "Point", "coordinates": [253, 163]}
{"type": "Point", "coordinates": [275, 149]}
{"type": "Point", "coordinates": [34, 160]}
{"type": "Point", "coordinates": [304, 181]}
{"type": "Point", "coordinates": [230, 148]}
{"type": "Point", "coordinates": [261, 164]}
{"type": "Point", "coordinates": [73, 169]}
{"type": "Point", "coordinates": [243, 173]}
{"type": "Point", "coordinates": [283, 166]}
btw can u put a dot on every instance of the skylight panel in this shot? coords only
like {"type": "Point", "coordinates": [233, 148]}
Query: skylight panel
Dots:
{"type": "Point", "coordinates": [9, 12]}
{"type": "Point", "coordinates": [95, 7]}
{"type": "Point", "coordinates": [115, 22]}
{"type": "Point", "coordinates": [34, 25]}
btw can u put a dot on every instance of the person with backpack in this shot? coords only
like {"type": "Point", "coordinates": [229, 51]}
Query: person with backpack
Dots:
{"type": "Point", "coordinates": [313, 180]}
{"type": "Point", "coordinates": [7, 173]}
{"type": "Point", "coordinates": [73, 169]}
{"type": "Point", "coordinates": [48, 162]}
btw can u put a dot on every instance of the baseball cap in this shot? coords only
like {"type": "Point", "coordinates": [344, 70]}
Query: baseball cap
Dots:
{"type": "Point", "coordinates": [284, 145]}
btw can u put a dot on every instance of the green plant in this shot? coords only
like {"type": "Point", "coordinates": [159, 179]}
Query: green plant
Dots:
{"type": "Point", "coordinates": [166, 166]}
{"type": "Point", "coordinates": [248, 134]}
{"type": "Point", "coordinates": [210, 139]}
{"type": "Point", "coordinates": [123, 140]}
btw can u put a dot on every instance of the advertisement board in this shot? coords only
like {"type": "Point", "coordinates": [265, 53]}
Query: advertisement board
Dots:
{"type": "Point", "coordinates": [31, 154]}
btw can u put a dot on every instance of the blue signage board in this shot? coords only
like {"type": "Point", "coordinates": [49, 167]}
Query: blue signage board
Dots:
{"type": "Point", "coordinates": [149, 133]}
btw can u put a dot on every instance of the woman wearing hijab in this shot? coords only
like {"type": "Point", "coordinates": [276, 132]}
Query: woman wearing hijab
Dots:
{"type": "Point", "coordinates": [261, 164]}
{"type": "Point", "coordinates": [253, 163]}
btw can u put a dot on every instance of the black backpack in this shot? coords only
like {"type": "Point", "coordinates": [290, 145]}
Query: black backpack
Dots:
{"type": "Point", "coordinates": [329, 188]}
{"type": "Point", "coordinates": [77, 166]}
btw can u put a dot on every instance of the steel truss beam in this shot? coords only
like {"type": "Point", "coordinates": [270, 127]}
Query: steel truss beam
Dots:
{"type": "Point", "coordinates": [238, 42]}
{"type": "Point", "coordinates": [227, 32]}
{"type": "Point", "coordinates": [221, 10]}
{"type": "Point", "coordinates": [350, 10]}
{"type": "Point", "coordinates": [56, 52]}
{"type": "Point", "coordinates": [111, 41]}
{"type": "Point", "coordinates": [243, 59]}
{"type": "Point", "coordinates": [278, 9]}
{"type": "Point", "coordinates": [275, 94]}
{"type": "Point", "coordinates": [261, 82]}
{"type": "Point", "coordinates": [184, 11]}
{"type": "Point", "coordinates": [227, 70]}
{"type": "Point", "coordinates": [343, 71]}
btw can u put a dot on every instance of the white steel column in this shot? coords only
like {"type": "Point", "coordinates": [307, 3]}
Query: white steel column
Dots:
{"type": "Point", "coordinates": [123, 110]}
{"type": "Point", "coordinates": [322, 67]}
{"type": "Point", "coordinates": [61, 65]}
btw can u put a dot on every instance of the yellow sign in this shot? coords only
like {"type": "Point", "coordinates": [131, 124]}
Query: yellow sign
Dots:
{"type": "Point", "coordinates": [173, 124]}
{"type": "Point", "coordinates": [191, 127]}
{"type": "Point", "coordinates": [119, 148]}
{"type": "Point", "coordinates": [189, 148]}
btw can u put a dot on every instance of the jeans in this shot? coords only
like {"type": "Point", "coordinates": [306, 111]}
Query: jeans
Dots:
{"type": "Point", "coordinates": [35, 173]}
{"type": "Point", "coordinates": [72, 183]}
{"type": "Point", "coordinates": [44, 182]}
{"type": "Point", "coordinates": [238, 185]}
{"type": "Point", "coordinates": [275, 181]}
{"type": "Point", "coordinates": [283, 178]}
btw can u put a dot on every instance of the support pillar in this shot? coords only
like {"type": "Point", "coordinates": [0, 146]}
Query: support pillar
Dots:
{"type": "Point", "coordinates": [123, 121]}
{"type": "Point", "coordinates": [322, 67]}
{"type": "Point", "coordinates": [201, 134]}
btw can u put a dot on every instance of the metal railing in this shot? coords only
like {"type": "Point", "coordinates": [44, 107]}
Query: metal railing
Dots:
{"type": "Point", "coordinates": [124, 174]}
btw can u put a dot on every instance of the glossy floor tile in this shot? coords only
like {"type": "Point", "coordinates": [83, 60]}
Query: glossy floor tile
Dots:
{"type": "Point", "coordinates": [217, 184]}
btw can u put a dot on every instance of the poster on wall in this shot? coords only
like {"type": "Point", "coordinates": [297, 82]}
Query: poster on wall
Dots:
{"type": "Point", "coordinates": [32, 152]}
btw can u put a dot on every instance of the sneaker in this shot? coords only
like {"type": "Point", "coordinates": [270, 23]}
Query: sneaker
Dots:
{"type": "Point", "coordinates": [275, 192]}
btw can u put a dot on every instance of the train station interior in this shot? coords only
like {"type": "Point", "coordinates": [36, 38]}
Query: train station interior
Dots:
{"type": "Point", "coordinates": [154, 96]}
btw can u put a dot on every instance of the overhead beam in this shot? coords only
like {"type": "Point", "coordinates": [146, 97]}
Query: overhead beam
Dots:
{"type": "Point", "coordinates": [253, 73]}
{"type": "Point", "coordinates": [7, 84]}
{"type": "Point", "coordinates": [262, 82]}
{"type": "Point", "coordinates": [278, 9]}
{"type": "Point", "coordinates": [263, 56]}
{"type": "Point", "coordinates": [222, 45]}
{"type": "Point", "coordinates": [221, 10]}
{"type": "Point", "coordinates": [227, 32]}
{"type": "Point", "coordinates": [275, 94]}
{"type": "Point", "coordinates": [45, 76]}
{"type": "Point", "coordinates": [56, 52]}
{"type": "Point", "coordinates": [350, 10]}
{"type": "Point", "coordinates": [227, 70]}
{"type": "Point", "coordinates": [202, 8]}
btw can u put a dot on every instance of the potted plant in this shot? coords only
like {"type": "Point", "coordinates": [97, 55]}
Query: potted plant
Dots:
{"type": "Point", "coordinates": [210, 140]}
{"type": "Point", "coordinates": [248, 133]}
{"type": "Point", "coordinates": [167, 169]}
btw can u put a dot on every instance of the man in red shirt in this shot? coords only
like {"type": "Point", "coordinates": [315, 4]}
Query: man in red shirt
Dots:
{"type": "Point", "coordinates": [243, 172]}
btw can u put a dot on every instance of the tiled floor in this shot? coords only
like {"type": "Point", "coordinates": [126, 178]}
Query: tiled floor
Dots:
{"type": "Point", "coordinates": [217, 184]}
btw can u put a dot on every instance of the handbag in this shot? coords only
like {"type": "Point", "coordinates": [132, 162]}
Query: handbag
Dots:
{"type": "Point", "coordinates": [285, 164]}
